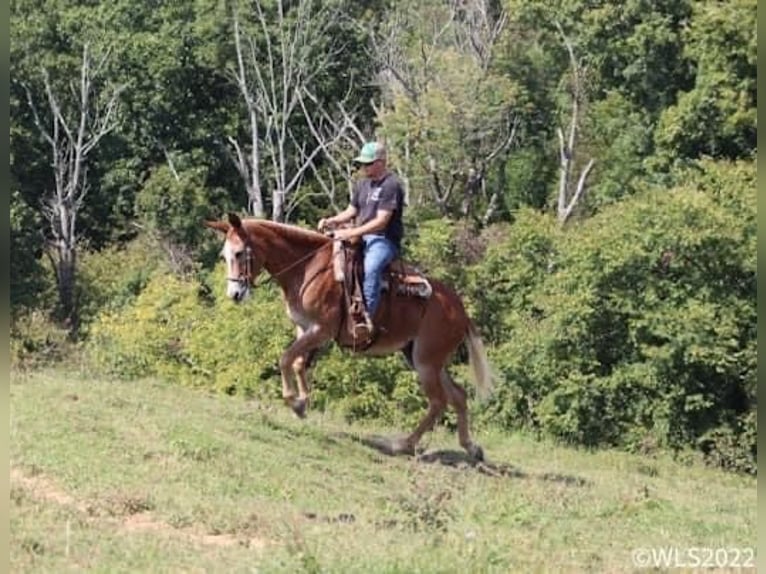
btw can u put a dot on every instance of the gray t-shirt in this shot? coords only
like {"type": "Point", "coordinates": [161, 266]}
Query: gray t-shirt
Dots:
{"type": "Point", "coordinates": [386, 193]}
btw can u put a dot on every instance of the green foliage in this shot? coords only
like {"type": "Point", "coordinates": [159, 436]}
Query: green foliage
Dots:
{"type": "Point", "coordinates": [29, 278]}
{"type": "Point", "coordinates": [433, 247]}
{"type": "Point", "coordinates": [450, 112]}
{"type": "Point", "coordinates": [619, 135]}
{"type": "Point", "coordinates": [37, 342]}
{"type": "Point", "coordinates": [527, 178]}
{"type": "Point", "coordinates": [112, 278]}
{"type": "Point", "coordinates": [374, 388]}
{"type": "Point", "coordinates": [173, 331]}
{"type": "Point", "coordinates": [733, 445]}
{"type": "Point", "coordinates": [635, 47]}
{"type": "Point", "coordinates": [503, 284]}
{"type": "Point", "coordinates": [634, 328]}
{"type": "Point", "coordinates": [718, 116]}
{"type": "Point", "coordinates": [172, 207]}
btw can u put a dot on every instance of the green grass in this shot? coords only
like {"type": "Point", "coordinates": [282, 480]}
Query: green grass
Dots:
{"type": "Point", "coordinates": [144, 476]}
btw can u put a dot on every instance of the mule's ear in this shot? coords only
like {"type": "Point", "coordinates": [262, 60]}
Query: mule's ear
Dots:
{"type": "Point", "coordinates": [221, 226]}
{"type": "Point", "coordinates": [235, 221]}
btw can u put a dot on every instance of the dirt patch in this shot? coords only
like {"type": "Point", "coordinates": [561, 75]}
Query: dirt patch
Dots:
{"type": "Point", "coordinates": [42, 488]}
{"type": "Point", "coordinates": [128, 513]}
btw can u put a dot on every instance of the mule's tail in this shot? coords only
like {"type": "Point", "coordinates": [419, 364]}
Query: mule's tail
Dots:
{"type": "Point", "coordinates": [481, 370]}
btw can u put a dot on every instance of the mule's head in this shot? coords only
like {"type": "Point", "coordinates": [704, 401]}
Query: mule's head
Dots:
{"type": "Point", "coordinates": [242, 265]}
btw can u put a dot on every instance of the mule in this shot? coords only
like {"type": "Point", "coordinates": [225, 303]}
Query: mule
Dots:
{"type": "Point", "coordinates": [427, 331]}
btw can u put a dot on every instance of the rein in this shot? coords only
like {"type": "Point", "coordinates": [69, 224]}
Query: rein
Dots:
{"type": "Point", "coordinates": [247, 277]}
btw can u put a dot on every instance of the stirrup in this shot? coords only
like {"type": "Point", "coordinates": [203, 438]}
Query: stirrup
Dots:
{"type": "Point", "coordinates": [364, 324]}
{"type": "Point", "coordinates": [365, 328]}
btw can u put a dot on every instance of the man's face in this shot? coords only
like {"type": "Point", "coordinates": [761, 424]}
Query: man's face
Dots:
{"type": "Point", "coordinates": [374, 170]}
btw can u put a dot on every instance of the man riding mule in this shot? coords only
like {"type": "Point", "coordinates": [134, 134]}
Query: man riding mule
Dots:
{"type": "Point", "coordinates": [426, 330]}
{"type": "Point", "coordinates": [377, 202]}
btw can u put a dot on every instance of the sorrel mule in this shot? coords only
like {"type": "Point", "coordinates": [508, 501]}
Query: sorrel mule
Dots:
{"type": "Point", "coordinates": [427, 331]}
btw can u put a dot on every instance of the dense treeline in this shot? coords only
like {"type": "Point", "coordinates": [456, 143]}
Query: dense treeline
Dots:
{"type": "Point", "coordinates": [582, 171]}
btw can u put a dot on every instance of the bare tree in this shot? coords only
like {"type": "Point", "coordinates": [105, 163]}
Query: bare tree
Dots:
{"type": "Point", "coordinates": [278, 82]}
{"type": "Point", "coordinates": [478, 29]}
{"type": "Point", "coordinates": [248, 167]}
{"type": "Point", "coordinates": [72, 136]}
{"type": "Point", "coordinates": [415, 54]}
{"type": "Point", "coordinates": [569, 193]}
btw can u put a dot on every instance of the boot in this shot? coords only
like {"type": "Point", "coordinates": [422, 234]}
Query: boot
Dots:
{"type": "Point", "coordinates": [364, 330]}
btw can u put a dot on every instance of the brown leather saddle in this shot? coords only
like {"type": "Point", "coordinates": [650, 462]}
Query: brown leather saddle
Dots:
{"type": "Point", "coordinates": [399, 277]}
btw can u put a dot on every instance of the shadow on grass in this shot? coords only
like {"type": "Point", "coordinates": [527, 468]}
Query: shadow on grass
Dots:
{"type": "Point", "coordinates": [460, 460]}
{"type": "Point", "coordinates": [457, 459]}
{"type": "Point", "coordinates": [269, 430]}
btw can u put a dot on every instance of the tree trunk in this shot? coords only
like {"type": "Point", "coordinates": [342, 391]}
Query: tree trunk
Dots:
{"type": "Point", "coordinates": [66, 273]}
{"type": "Point", "coordinates": [278, 209]}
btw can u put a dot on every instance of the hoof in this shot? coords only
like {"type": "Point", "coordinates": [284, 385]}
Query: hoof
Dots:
{"type": "Point", "coordinates": [476, 452]}
{"type": "Point", "coordinates": [299, 407]}
{"type": "Point", "coordinates": [400, 447]}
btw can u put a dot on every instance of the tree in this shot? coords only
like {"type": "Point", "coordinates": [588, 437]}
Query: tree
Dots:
{"type": "Point", "coordinates": [448, 119]}
{"type": "Point", "coordinates": [279, 80]}
{"type": "Point", "coordinates": [717, 116]}
{"type": "Point", "coordinates": [72, 134]}
{"type": "Point", "coordinates": [169, 209]}
{"type": "Point", "coordinates": [569, 194]}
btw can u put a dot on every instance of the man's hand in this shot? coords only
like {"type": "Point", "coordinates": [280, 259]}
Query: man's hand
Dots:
{"type": "Point", "coordinates": [344, 234]}
{"type": "Point", "coordinates": [323, 224]}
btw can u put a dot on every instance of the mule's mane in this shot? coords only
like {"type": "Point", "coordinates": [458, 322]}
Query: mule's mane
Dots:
{"type": "Point", "coordinates": [290, 233]}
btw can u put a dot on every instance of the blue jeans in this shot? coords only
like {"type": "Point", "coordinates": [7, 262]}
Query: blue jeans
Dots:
{"type": "Point", "coordinates": [378, 252]}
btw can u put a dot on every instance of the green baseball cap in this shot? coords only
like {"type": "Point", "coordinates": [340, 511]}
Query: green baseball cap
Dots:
{"type": "Point", "coordinates": [370, 152]}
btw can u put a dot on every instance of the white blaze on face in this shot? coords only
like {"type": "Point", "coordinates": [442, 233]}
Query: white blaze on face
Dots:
{"type": "Point", "coordinates": [234, 289]}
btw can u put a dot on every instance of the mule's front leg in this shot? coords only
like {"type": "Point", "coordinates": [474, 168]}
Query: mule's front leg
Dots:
{"type": "Point", "coordinates": [301, 367]}
{"type": "Point", "coordinates": [293, 362]}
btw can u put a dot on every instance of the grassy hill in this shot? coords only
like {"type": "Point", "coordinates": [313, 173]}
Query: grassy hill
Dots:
{"type": "Point", "coordinates": [123, 477]}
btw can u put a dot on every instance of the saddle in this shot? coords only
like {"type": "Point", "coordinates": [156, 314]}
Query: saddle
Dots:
{"type": "Point", "coordinates": [398, 277]}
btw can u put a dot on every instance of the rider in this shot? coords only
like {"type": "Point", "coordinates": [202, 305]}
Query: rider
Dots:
{"type": "Point", "coordinates": [377, 202]}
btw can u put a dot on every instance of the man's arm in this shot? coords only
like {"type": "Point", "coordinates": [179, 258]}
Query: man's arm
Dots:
{"type": "Point", "coordinates": [377, 223]}
{"type": "Point", "coordinates": [346, 215]}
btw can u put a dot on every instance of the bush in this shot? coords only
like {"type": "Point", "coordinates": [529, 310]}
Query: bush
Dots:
{"type": "Point", "coordinates": [112, 278]}
{"type": "Point", "coordinates": [175, 331]}
{"type": "Point", "coordinates": [733, 446]}
{"type": "Point", "coordinates": [36, 341]}
{"type": "Point", "coordinates": [361, 388]}
{"type": "Point", "coordinates": [634, 327]}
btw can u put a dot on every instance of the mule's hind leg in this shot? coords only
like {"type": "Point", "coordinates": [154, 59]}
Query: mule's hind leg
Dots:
{"type": "Point", "coordinates": [456, 396]}
{"type": "Point", "coordinates": [437, 403]}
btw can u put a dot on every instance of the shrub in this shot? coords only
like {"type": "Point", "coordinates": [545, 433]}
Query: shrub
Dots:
{"type": "Point", "coordinates": [634, 327]}
{"type": "Point", "coordinates": [36, 341]}
{"type": "Point", "coordinates": [112, 278]}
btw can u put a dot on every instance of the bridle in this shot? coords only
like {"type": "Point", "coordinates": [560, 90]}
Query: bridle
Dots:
{"type": "Point", "coordinates": [246, 279]}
